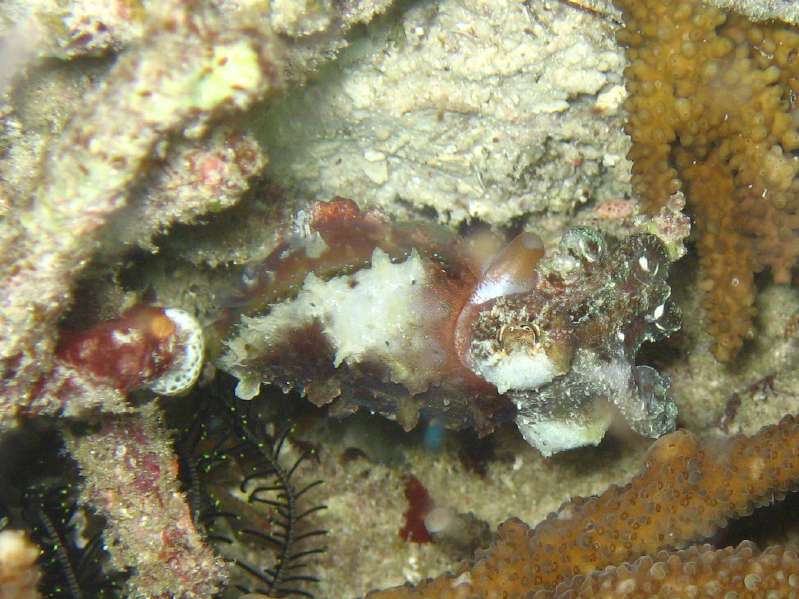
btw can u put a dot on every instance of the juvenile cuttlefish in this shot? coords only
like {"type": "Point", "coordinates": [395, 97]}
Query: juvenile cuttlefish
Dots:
{"type": "Point", "coordinates": [412, 321]}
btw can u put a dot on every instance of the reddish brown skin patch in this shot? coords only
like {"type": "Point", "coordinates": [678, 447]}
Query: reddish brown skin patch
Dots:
{"type": "Point", "coordinates": [351, 236]}
{"type": "Point", "coordinates": [455, 293]}
{"type": "Point", "coordinates": [345, 228]}
{"type": "Point", "coordinates": [98, 351]}
{"type": "Point", "coordinates": [336, 218]}
{"type": "Point", "coordinates": [316, 365]}
{"type": "Point", "coordinates": [419, 505]}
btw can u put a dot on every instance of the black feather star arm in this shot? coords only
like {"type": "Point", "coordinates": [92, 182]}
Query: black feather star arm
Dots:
{"type": "Point", "coordinates": [72, 548]}
{"type": "Point", "coordinates": [245, 495]}
{"type": "Point", "coordinates": [41, 495]}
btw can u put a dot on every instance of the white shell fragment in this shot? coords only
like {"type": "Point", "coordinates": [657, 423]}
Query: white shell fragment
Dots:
{"type": "Point", "coordinates": [561, 434]}
{"type": "Point", "coordinates": [189, 355]}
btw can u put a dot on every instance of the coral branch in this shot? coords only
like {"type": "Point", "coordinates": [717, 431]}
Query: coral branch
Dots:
{"type": "Point", "coordinates": [131, 478]}
{"type": "Point", "coordinates": [712, 110]}
{"type": "Point", "coordinates": [687, 490]}
{"type": "Point", "coordinates": [198, 177]}
{"type": "Point", "coordinates": [183, 65]}
{"type": "Point", "coordinates": [741, 571]}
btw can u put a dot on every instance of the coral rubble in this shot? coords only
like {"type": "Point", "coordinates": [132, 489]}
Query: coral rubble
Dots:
{"type": "Point", "coordinates": [687, 490]}
{"type": "Point", "coordinates": [131, 478]}
{"type": "Point", "coordinates": [712, 110]}
{"type": "Point", "coordinates": [200, 176]}
{"type": "Point", "coordinates": [408, 320]}
{"type": "Point", "coordinates": [91, 165]}
{"type": "Point", "coordinates": [143, 128]}
{"type": "Point", "coordinates": [475, 109]}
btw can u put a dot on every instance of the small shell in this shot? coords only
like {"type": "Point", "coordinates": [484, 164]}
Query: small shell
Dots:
{"type": "Point", "coordinates": [147, 347]}
{"type": "Point", "coordinates": [188, 358]}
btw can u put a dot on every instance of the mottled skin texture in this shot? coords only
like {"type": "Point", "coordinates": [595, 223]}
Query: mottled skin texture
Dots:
{"type": "Point", "coordinates": [303, 358]}
{"type": "Point", "coordinates": [590, 305]}
{"type": "Point", "coordinates": [593, 306]}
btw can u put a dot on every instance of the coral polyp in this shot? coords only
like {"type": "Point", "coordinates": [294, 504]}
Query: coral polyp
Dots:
{"type": "Point", "coordinates": [687, 489]}
{"type": "Point", "coordinates": [412, 322]}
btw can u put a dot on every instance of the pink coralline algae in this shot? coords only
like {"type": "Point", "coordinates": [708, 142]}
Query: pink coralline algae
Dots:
{"type": "Point", "coordinates": [411, 321]}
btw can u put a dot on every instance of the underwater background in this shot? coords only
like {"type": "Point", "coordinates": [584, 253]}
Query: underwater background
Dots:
{"type": "Point", "coordinates": [412, 298]}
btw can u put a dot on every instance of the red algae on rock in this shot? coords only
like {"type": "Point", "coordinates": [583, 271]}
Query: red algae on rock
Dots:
{"type": "Point", "coordinates": [94, 370]}
{"type": "Point", "coordinates": [419, 505]}
{"type": "Point", "coordinates": [147, 347]}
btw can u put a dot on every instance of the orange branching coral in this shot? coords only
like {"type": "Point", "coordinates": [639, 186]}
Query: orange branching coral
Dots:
{"type": "Point", "coordinates": [713, 109]}
{"type": "Point", "coordinates": [739, 572]}
{"type": "Point", "coordinates": [686, 491]}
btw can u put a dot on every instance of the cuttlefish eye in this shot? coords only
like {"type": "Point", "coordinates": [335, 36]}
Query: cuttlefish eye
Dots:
{"type": "Point", "coordinates": [585, 245]}
{"type": "Point", "coordinates": [518, 335]}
